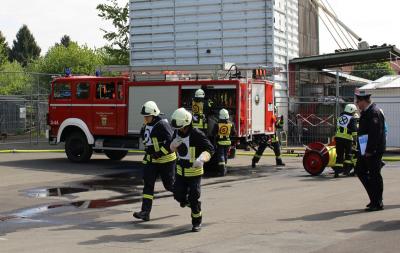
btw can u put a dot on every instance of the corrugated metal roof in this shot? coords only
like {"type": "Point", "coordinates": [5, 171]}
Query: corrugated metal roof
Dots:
{"type": "Point", "coordinates": [348, 58]}
{"type": "Point", "coordinates": [385, 82]}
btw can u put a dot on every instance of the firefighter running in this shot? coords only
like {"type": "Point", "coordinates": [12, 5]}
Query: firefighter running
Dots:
{"type": "Point", "coordinates": [200, 110]}
{"type": "Point", "coordinates": [193, 149]}
{"type": "Point", "coordinates": [272, 142]}
{"type": "Point", "coordinates": [222, 133]}
{"type": "Point", "coordinates": [158, 160]}
{"type": "Point", "coordinates": [346, 134]}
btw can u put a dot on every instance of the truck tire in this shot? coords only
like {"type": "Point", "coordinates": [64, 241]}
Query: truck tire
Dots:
{"type": "Point", "coordinates": [116, 155]}
{"type": "Point", "coordinates": [77, 148]}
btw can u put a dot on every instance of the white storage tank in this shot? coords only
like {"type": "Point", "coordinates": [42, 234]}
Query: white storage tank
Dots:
{"type": "Point", "coordinates": [192, 32]}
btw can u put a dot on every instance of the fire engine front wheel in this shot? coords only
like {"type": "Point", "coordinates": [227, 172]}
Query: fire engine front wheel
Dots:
{"type": "Point", "coordinates": [77, 148]}
{"type": "Point", "coordinates": [115, 155]}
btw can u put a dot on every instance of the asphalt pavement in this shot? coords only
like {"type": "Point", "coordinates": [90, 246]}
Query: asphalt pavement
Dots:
{"type": "Point", "coordinates": [48, 204]}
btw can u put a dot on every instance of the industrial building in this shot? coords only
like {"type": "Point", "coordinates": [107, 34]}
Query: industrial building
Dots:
{"type": "Point", "coordinates": [248, 33]}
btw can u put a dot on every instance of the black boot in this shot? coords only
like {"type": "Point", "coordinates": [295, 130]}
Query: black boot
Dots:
{"type": "Point", "coordinates": [142, 215]}
{"type": "Point", "coordinates": [196, 228]}
{"type": "Point", "coordinates": [184, 204]}
{"type": "Point", "coordinates": [279, 162]}
{"type": "Point", "coordinates": [196, 222]}
{"type": "Point", "coordinates": [375, 207]}
{"type": "Point", "coordinates": [253, 163]}
{"type": "Point", "coordinates": [222, 170]}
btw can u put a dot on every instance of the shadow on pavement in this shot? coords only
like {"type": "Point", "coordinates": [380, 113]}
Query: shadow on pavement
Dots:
{"type": "Point", "coordinates": [323, 177]}
{"type": "Point", "coordinates": [333, 215]}
{"type": "Point", "coordinates": [143, 238]}
{"type": "Point", "coordinates": [107, 225]}
{"type": "Point", "coordinates": [377, 226]}
{"type": "Point", "coordinates": [63, 165]}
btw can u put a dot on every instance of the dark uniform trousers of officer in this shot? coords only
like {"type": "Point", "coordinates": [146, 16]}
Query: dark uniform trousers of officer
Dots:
{"type": "Point", "coordinates": [187, 187]}
{"type": "Point", "coordinates": [345, 132]}
{"type": "Point", "coordinates": [368, 169]}
{"type": "Point", "coordinates": [222, 132]}
{"type": "Point", "coordinates": [158, 160]}
{"type": "Point", "coordinates": [275, 146]}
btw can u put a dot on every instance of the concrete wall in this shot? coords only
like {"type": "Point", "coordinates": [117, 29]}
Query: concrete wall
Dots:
{"type": "Point", "coordinates": [308, 30]}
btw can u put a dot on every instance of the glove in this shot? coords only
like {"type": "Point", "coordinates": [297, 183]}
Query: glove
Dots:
{"type": "Point", "coordinates": [175, 144]}
{"type": "Point", "coordinates": [198, 163]}
{"type": "Point", "coordinates": [203, 158]}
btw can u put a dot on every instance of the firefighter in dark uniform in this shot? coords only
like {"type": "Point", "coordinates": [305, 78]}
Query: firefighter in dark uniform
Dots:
{"type": "Point", "coordinates": [346, 132]}
{"type": "Point", "coordinates": [271, 141]}
{"type": "Point", "coordinates": [371, 146]}
{"type": "Point", "coordinates": [193, 149]}
{"type": "Point", "coordinates": [158, 160]}
{"type": "Point", "coordinates": [222, 132]}
{"type": "Point", "coordinates": [200, 110]}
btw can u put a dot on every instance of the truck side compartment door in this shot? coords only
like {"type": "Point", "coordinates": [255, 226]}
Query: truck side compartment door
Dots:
{"type": "Point", "coordinates": [269, 110]}
{"type": "Point", "coordinates": [81, 107]}
{"type": "Point", "coordinates": [60, 105]}
{"type": "Point", "coordinates": [104, 108]}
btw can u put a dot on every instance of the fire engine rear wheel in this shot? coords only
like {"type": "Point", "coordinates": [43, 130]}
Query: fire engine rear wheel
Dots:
{"type": "Point", "coordinates": [116, 155]}
{"type": "Point", "coordinates": [313, 163]}
{"type": "Point", "coordinates": [77, 148]}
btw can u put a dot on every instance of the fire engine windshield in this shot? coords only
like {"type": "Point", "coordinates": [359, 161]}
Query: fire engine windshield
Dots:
{"type": "Point", "coordinates": [62, 91]}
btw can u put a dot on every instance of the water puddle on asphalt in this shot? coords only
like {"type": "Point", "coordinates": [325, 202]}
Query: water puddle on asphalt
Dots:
{"type": "Point", "coordinates": [53, 192]}
{"type": "Point", "coordinates": [124, 183]}
{"type": "Point", "coordinates": [127, 184]}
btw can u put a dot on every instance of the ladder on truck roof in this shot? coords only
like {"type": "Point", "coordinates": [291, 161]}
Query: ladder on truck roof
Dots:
{"type": "Point", "coordinates": [189, 72]}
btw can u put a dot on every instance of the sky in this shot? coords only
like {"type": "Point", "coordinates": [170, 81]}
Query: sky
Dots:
{"type": "Point", "coordinates": [49, 20]}
{"type": "Point", "coordinates": [373, 21]}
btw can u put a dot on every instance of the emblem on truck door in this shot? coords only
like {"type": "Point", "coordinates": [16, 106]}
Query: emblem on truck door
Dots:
{"type": "Point", "coordinates": [103, 120]}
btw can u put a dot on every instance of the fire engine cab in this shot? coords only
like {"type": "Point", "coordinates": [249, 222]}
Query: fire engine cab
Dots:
{"type": "Point", "coordinates": [102, 114]}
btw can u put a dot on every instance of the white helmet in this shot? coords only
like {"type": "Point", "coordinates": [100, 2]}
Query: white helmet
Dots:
{"type": "Point", "coordinates": [350, 108]}
{"type": "Point", "coordinates": [181, 118]}
{"type": "Point", "coordinates": [150, 108]}
{"type": "Point", "coordinates": [223, 114]}
{"type": "Point", "coordinates": [199, 93]}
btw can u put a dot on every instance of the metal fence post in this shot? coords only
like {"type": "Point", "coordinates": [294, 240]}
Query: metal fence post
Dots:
{"type": "Point", "coordinates": [37, 111]}
{"type": "Point", "coordinates": [337, 94]}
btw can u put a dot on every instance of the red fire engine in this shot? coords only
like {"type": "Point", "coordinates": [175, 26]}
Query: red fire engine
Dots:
{"type": "Point", "coordinates": [102, 114]}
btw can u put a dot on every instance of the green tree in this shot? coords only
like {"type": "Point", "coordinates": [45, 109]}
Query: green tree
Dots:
{"type": "Point", "coordinates": [24, 47]}
{"type": "Point", "coordinates": [13, 79]}
{"type": "Point", "coordinates": [373, 71]}
{"type": "Point", "coordinates": [3, 55]}
{"type": "Point", "coordinates": [81, 59]}
{"type": "Point", "coordinates": [4, 49]}
{"type": "Point", "coordinates": [65, 40]}
{"type": "Point", "coordinates": [118, 49]}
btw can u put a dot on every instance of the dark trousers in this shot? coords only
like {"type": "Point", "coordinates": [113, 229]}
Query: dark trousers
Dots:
{"type": "Point", "coordinates": [368, 170]}
{"type": "Point", "coordinates": [188, 190]}
{"type": "Point", "coordinates": [222, 152]}
{"type": "Point", "coordinates": [343, 153]}
{"type": "Point", "coordinates": [275, 146]}
{"type": "Point", "coordinates": [150, 173]}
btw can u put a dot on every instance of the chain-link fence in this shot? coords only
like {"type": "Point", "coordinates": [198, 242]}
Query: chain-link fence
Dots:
{"type": "Point", "coordinates": [23, 107]}
{"type": "Point", "coordinates": [318, 97]}
{"type": "Point", "coordinates": [315, 100]}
